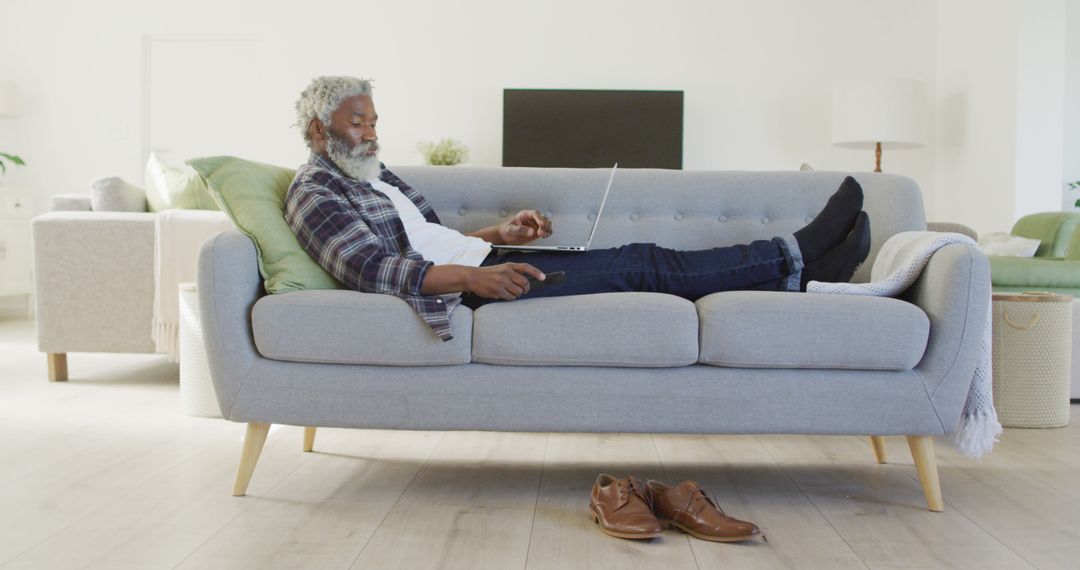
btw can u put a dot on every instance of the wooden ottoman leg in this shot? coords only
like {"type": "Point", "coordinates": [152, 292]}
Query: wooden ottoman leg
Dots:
{"type": "Point", "coordinates": [57, 366]}
{"type": "Point", "coordinates": [309, 438]}
{"type": "Point", "coordinates": [253, 444]}
{"type": "Point", "coordinates": [878, 443]}
{"type": "Point", "coordinates": [922, 451]}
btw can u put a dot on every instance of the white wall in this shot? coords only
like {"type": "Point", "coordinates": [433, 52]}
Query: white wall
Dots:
{"type": "Point", "coordinates": [1071, 144]}
{"type": "Point", "coordinates": [1040, 107]}
{"type": "Point", "coordinates": [757, 78]}
{"type": "Point", "coordinates": [1001, 103]}
{"type": "Point", "coordinates": [976, 103]}
{"type": "Point", "coordinates": [757, 75]}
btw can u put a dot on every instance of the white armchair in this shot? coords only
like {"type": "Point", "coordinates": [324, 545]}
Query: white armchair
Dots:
{"type": "Point", "coordinates": [93, 283]}
{"type": "Point", "coordinates": [94, 278]}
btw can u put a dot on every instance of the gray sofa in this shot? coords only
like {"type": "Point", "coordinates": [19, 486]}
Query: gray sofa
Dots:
{"type": "Point", "coordinates": [731, 363]}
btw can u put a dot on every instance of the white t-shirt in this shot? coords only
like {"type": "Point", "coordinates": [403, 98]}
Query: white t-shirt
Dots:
{"type": "Point", "coordinates": [438, 244]}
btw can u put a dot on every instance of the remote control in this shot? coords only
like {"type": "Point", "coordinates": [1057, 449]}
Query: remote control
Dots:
{"type": "Point", "coordinates": [550, 280]}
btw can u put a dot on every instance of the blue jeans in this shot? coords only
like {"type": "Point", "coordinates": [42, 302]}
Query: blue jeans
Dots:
{"type": "Point", "coordinates": [770, 265]}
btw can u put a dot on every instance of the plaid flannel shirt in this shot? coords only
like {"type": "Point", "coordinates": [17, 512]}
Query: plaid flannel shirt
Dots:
{"type": "Point", "coordinates": [354, 232]}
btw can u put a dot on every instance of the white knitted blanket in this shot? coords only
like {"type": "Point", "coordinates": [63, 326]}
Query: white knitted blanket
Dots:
{"type": "Point", "coordinates": [898, 265]}
{"type": "Point", "coordinates": [178, 236]}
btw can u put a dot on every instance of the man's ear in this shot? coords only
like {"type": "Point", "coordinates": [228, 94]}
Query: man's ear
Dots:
{"type": "Point", "coordinates": [316, 131]}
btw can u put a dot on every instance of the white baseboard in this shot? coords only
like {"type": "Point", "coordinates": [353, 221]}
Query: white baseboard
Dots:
{"type": "Point", "coordinates": [16, 307]}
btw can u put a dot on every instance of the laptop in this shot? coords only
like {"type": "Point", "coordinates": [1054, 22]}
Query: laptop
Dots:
{"type": "Point", "coordinates": [576, 248]}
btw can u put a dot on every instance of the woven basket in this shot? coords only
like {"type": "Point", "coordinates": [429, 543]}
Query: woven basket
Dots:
{"type": "Point", "coordinates": [1032, 359]}
{"type": "Point", "coordinates": [197, 396]}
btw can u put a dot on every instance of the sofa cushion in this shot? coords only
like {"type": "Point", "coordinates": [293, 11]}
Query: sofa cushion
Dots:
{"type": "Point", "coordinates": [1007, 245]}
{"type": "Point", "coordinates": [170, 186]}
{"type": "Point", "coordinates": [1038, 273]}
{"type": "Point", "coordinates": [760, 329]}
{"type": "Point", "coordinates": [347, 327]}
{"type": "Point", "coordinates": [114, 194]}
{"type": "Point", "coordinates": [253, 196]}
{"type": "Point", "coordinates": [605, 329]}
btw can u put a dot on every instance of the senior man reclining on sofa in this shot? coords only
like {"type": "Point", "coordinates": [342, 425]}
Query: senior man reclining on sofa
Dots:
{"type": "Point", "coordinates": [376, 234]}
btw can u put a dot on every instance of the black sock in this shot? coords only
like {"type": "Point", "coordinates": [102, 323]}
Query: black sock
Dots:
{"type": "Point", "coordinates": [841, 262]}
{"type": "Point", "coordinates": [833, 223]}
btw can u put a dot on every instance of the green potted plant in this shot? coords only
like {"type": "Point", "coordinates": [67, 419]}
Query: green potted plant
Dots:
{"type": "Point", "coordinates": [1075, 186]}
{"type": "Point", "coordinates": [446, 152]}
{"type": "Point", "coordinates": [5, 158]}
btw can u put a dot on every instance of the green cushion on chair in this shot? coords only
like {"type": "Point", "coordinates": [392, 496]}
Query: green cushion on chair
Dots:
{"type": "Point", "coordinates": [1038, 274]}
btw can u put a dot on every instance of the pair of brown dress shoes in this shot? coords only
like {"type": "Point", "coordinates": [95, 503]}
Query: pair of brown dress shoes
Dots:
{"type": "Point", "coordinates": [628, 508]}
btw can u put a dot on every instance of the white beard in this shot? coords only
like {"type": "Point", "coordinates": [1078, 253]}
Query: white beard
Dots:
{"type": "Point", "coordinates": [354, 162]}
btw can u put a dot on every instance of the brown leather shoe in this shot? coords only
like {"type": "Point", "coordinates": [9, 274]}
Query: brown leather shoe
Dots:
{"type": "Point", "coordinates": [688, 508]}
{"type": "Point", "coordinates": [623, 508]}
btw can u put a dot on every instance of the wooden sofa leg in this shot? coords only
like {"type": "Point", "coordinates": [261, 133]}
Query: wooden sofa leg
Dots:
{"type": "Point", "coordinates": [922, 451]}
{"type": "Point", "coordinates": [878, 443]}
{"type": "Point", "coordinates": [57, 366]}
{"type": "Point", "coordinates": [309, 438]}
{"type": "Point", "coordinates": [253, 444]}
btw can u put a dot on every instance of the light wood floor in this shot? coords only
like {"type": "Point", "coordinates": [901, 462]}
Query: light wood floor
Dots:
{"type": "Point", "coordinates": [105, 472]}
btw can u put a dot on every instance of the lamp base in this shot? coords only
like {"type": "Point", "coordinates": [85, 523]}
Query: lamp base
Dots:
{"type": "Point", "coordinates": [877, 158]}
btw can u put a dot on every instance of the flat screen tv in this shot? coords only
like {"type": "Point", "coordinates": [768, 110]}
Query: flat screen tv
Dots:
{"type": "Point", "coordinates": [592, 128]}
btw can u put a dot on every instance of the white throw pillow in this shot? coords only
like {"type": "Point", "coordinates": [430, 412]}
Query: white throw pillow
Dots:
{"type": "Point", "coordinates": [170, 186]}
{"type": "Point", "coordinates": [114, 194]}
{"type": "Point", "coordinates": [1007, 245]}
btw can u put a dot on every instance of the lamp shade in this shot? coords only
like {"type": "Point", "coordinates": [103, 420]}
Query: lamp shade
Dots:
{"type": "Point", "coordinates": [8, 99]}
{"type": "Point", "coordinates": [889, 111]}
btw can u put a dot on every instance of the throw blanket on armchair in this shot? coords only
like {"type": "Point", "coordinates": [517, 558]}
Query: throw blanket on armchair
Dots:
{"type": "Point", "coordinates": [898, 265]}
{"type": "Point", "coordinates": [178, 236]}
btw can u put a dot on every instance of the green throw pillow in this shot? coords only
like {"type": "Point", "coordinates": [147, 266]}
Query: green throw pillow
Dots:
{"type": "Point", "coordinates": [252, 194]}
{"type": "Point", "coordinates": [171, 187]}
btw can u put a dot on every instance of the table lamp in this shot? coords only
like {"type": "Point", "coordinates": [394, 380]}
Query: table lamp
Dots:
{"type": "Point", "coordinates": [877, 113]}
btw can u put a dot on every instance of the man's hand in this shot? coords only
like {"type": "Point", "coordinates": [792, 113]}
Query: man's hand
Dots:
{"type": "Point", "coordinates": [506, 281]}
{"type": "Point", "coordinates": [524, 227]}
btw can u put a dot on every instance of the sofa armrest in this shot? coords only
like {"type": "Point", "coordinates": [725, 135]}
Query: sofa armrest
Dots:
{"type": "Point", "coordinates": [954, 292]}
{"type": "Point", "coordinates": [94, 281]}
{"type": "Point", "coordinates": [952, 227]}
{"type": "Point", "coordinates": [229, 286]}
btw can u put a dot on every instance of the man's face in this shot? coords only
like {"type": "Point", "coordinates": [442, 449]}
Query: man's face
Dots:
{"type": "Point", "coordinates": [350, 140]}
{"type": "Point", "coordinates": [354, 122]}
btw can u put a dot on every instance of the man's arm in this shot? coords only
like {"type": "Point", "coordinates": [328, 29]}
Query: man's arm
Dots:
{"type": "Point", "coordinates": [339, 240]}
{"type": "Point", "coordinates": [442, 279]}
{"type": "Point", "coordinates": [506, 281]}
{"type": "Point", "coordinates": [524, 227]}
{"type": "Point", "coordinates": [489, 234]}
{"type": "Point", "coordinates": [343, 245]}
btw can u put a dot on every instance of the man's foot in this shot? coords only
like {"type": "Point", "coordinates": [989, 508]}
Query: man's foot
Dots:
{"type": "Point", "coordinates": [833, 223]}
{"type": "Point", "coordinates": [841, 262]}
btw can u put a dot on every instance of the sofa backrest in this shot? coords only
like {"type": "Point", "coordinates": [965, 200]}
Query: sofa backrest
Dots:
{"type": "Point", "coordinates": [673, 208]}
{"type": "Point", "coordinates": [1054, 230]}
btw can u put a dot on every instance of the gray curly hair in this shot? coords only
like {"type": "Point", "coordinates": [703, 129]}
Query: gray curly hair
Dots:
{"type": "Point", "coordinates": [323, 96]}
